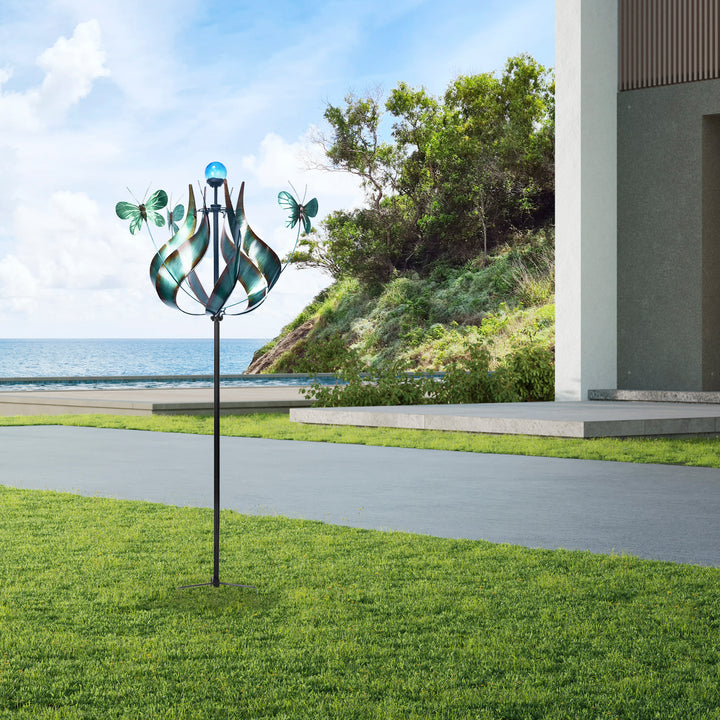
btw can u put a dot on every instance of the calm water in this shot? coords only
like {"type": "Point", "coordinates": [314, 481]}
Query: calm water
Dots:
{"type": "Point", "coordinates": [117, 358]}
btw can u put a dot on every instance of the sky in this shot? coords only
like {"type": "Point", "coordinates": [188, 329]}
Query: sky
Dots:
{"type": "Point", "coordinates": [99, 100]}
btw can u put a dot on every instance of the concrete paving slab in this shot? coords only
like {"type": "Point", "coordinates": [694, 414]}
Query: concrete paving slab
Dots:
{"type": "Point", "coordinates": [651, 511]}
{"type": "Point", "coordinates": [158, 401]}
{"type": "Point", "coordinates": [559, 419]}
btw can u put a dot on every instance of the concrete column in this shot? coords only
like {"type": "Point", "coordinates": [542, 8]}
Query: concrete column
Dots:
{"type": "Point", "coordinates": [586, 49]}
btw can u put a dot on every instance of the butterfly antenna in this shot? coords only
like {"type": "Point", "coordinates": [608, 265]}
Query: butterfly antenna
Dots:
{"type": "Point", "coordinates": [133, 195]}
{"type": "Point", "coordinates": [297, 194]}
{"type": "Point", "coordinates": [147, 190]}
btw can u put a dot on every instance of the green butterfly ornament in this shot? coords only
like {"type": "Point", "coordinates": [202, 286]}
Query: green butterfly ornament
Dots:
{"type": "Point", "coordinates": [299, 212]}
{"type": "Point", "coordinates": [143, 211]}
{"type": "Point", "coordinates": [174, 216]}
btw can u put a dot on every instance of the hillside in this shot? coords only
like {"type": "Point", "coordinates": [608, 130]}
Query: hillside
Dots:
{"type": "Point", "coordinates": [448, 265]}
{"type": "Point", "coordinates": [502, 301]}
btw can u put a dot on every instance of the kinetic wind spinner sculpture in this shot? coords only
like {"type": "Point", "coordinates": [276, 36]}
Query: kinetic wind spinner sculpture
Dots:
{"type": "Point", "coordinates": [250, 264]}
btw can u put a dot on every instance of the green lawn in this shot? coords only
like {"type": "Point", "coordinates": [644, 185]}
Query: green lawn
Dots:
{"type": "Point", "coordinates": [701, 451]}
{"type": "Point", "coordinates": [344, 623]}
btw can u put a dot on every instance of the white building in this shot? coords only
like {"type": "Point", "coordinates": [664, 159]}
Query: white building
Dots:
{"type": "Point", "coordinates": [637, 195]}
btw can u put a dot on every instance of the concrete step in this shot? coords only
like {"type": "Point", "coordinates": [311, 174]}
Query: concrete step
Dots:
{"type": "Point", "coordinates": [669, 396]}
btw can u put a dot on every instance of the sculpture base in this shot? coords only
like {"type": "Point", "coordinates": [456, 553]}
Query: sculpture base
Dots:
{"type": "Point", "coordinates": [217, 583]}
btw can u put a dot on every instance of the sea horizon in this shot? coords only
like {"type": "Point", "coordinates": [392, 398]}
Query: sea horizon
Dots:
{"type": "Point", "coordinates": [99, 357]}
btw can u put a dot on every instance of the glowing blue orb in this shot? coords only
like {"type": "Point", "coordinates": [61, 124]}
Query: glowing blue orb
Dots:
{"type": "Point", "coordinates": [215, 171]}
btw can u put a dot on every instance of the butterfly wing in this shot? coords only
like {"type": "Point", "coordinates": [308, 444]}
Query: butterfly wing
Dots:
{"type": "Point", "coordinates": [287, 201]}
{"type": "Point", "coordinates": [156, 217]}
{"type": "Point", "coordinates": [136, 223]}
{"type": "Point", "coordinates": [125, 210]}
{"type": "Point", "coordinates": [174, 216]}
{"type": "Point", "coordinates": [309, 211]}
{"type": "Point", "coordinates": [311, 208]}
{"type": "Point", "coordinates": [158, 200]}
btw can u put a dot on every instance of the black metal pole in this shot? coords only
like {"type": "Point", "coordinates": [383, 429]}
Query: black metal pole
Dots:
{"type": "Point", "coordinates": [216, 448]}
{"type": "Point", "coordinates": [215, 182]}
{"type": "Point", "coordinates": [215, 209]}
{"type": "Point", "coordinates": [216, 398]}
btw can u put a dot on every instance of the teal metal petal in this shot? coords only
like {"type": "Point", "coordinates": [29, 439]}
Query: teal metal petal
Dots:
{"type": "Point", "coordinates": [197, 288]}
{"type": "Point", "coordinates": [261, 254]}
{"type": "Point", "coordinates": [227, 246]}
{"type": "Point", "coordinates": [251, 263]}
{"type": "Point", "coordinates": [186, 230]}
{"type": "Point", "coordinates": [181, 263]}
{"type": "Point", "coordinates": [175, 260]}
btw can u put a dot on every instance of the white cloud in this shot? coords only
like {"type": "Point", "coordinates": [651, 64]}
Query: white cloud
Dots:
{"type": "Point", "coordinates": [18, 286]}
{"type": "Point", "coordinates": [70, 68]}
{"type": "Point", "coordinates": [68, 261]}
{"type": "Point", "coordinates": [187, 83]}
{"type": "Point", "coordinates": [301, 162]}
{"type": "Point", "coordinates": [17, 110]}
{"type": "Point", "coordinates": [143, 45]}
{"type": "Point", "coordinates": [70, 245]}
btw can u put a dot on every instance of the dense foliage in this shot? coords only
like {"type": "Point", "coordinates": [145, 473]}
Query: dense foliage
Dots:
{"type": "Point", "coordinates": [503, 301]}
{"type": "Point", "coordinates": [449, 265]}
{"type": "Point", "coordinates": [526, 375]}
{"type": "Point", "coordinates": [461, 174]}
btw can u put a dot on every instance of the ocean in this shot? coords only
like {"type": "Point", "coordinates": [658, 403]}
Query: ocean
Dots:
{"type": "Point", "coordinates": [117, 358]}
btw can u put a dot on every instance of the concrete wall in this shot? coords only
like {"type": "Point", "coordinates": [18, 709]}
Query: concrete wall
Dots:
{"type": "Point", "coordinates": [585, 191]}
{"type": "Point", "coordinates": [668, 247]}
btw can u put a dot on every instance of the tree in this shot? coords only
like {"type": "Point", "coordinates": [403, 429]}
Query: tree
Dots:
{"type": "Point", "coordinates": [460, 174]}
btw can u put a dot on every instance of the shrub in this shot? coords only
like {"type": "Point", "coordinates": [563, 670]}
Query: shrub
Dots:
{"type": "Point", "coordinates": [528, 374]}
{"type": "Point", "coordinates": [315, 355]}
{"type": "Point", "coordinates": [471, 381]}
{"type": "Point", "coordinates": [390, 385]}
{"type": "Point", "coordinates": [531, 370]}
{"type": "Point", "coordinates": [466, 381]}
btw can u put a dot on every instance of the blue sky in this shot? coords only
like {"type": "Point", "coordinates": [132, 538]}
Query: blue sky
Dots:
{"type": "Point", "coordinates": [95, 97]}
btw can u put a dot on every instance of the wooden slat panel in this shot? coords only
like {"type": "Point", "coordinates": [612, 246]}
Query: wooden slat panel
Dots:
{"type": "Point", "coordinates": [662, 42]}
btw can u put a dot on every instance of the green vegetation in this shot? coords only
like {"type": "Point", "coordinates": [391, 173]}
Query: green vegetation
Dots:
{"type": "Point", "coordinates": [527, 374]}
{"type": "Point", "coordinates": [344, 623]}
{"type": "Point", "coordinates": [504, 302]}
{"type": "Point", "coordinates": [460, 176]}
{"type": "Point", "coordinates": [702, 452]}
{"type": "Point", "coordinates": [454, 247]}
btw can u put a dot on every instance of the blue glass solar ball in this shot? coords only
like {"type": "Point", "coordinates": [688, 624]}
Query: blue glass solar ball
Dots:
{"type": "Point", "coordinates": [215, 171]}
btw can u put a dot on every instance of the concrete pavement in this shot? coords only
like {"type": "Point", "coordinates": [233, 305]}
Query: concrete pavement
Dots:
{"type": "Point", "coordinates": [652, 511]}
{"type": "Point", "coordinates": [581, 419]}
{"type": "Point", "coordinates": [156, 401]}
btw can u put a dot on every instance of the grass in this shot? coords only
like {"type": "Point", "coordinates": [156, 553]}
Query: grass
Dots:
{"type": "Point", "coordinates": [344, 623]}
{"type": "Point", "coordinates": [500, 300]}
{"type": "Point", "coordinates": [692, 451]}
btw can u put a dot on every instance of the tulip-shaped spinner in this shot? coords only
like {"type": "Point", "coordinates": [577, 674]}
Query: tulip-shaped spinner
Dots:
{"type": "Point", "coordinates": [250, 270]}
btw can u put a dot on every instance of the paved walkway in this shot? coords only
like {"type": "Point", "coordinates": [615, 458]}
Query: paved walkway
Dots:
{"type": "Point", "coordinates": [652, 511]}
